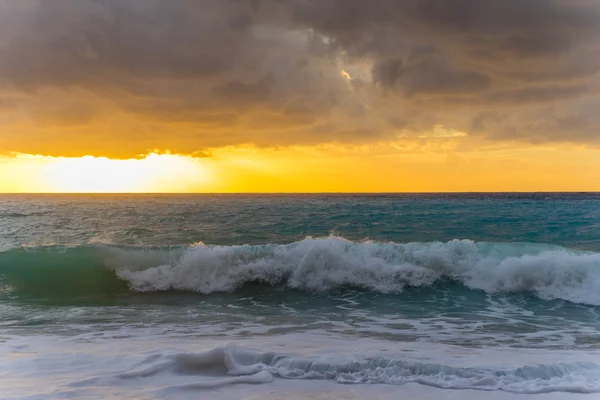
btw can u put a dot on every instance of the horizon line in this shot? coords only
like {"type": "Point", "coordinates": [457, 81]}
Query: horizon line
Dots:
{"type": "Point", "coordinates": [296, 193]}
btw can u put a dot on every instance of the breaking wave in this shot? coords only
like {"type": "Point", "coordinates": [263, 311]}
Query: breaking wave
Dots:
{"type": "Point", "coordinates": [323, 264]}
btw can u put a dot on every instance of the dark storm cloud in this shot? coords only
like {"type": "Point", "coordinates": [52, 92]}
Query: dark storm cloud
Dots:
{"type": "Point", "coordinates": [186, 75]}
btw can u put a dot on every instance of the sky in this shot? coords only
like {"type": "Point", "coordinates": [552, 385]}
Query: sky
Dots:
{"type": "Point", "coordinates": [299, 95]}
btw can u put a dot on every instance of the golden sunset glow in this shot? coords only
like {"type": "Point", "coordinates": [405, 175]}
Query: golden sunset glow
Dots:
{"type": "Point", "coordinates": [99, 96]}
{"type": "Point", "coordinates": [154, 173]}
{"type": "Point", "coordinates": [386, 167]}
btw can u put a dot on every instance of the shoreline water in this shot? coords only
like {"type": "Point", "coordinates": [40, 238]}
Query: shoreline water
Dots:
{"type": "Point", "coordinates": [306, 296]}
{"type": "Point", "coordinates": [124, 367]}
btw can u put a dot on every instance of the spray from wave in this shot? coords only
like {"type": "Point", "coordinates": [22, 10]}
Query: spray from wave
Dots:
{"type": "Point", "coordinates": [320, 265]}
{"type": "Point", "coordinates": [549, 272]}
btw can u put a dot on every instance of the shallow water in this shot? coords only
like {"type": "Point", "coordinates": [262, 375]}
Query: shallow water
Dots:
{"type": "Point", "coordinates": [117, 296]}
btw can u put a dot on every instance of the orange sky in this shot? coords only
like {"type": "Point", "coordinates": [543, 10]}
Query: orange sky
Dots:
{"type": "Point", "coordinates": [376, 168]}
{"type": "Point", "coordinates": [299, 96]}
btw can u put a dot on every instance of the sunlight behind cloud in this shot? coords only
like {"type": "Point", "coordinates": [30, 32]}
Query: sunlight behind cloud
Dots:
{"type": "Point", "coordinates": [154, 173]}
{"type": "Point", "coordinates": [103, 175]}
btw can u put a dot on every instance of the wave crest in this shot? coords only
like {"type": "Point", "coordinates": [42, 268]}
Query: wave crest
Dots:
{"type": "Point", "coordinates": [325, 264]}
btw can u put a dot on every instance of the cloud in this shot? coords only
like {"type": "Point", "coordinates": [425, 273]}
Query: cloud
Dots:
{"type": "Point", "coordinates": [123, 78]}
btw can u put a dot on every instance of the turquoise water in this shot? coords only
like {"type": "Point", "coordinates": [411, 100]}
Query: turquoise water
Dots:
{"type": "Point", "coordinates": [571, 220]}
{"type": "Point", "coordinates": [436, 274]}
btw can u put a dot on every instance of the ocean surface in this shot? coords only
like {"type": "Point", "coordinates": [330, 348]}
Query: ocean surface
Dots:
{"type": "Point", "coordinates": [300, 296]}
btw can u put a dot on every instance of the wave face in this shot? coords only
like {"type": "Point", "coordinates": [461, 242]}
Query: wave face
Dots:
{"type": "Point", "coordinates": [331, 263]}
{"type": "Point", "coordinates": [320, 265]}
{"type": "Point", "coordinates": [244, 366]}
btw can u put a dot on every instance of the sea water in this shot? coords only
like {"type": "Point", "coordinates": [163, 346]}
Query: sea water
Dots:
{"type": "Point", "coordinates": [299, 296]}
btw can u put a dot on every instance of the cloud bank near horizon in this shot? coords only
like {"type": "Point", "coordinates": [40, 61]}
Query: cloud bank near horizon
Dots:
{"type": "Point", "coordinates": [122, 78]}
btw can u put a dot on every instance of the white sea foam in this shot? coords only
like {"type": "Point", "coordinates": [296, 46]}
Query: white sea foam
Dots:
{"type": "Point", "coordinates": [230, 364]}
{"type": "Point", "coordinates": [159, 366]}
{"type": "Point", "coordinates": [549, 272]}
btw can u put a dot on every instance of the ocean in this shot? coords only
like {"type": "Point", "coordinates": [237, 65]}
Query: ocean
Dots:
{"type": "Point", "coordinates": [418, 296]}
